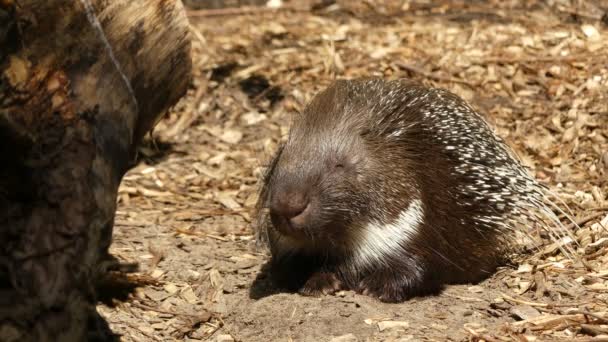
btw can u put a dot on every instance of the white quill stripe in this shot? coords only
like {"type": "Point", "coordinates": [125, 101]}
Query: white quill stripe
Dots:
{"type": "Point", "coordinates": [380, 241]}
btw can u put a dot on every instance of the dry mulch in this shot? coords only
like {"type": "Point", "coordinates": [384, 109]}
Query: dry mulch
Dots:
{"type": "Point", "coordinates": [537, 69]}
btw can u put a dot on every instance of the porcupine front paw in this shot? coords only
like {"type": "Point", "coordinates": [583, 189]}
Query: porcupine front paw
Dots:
{"type": "Point", "coordinates": [321, 283]}
{"type": "Point", "coordinates": [391, 288]}
{"type": "Point", "coordinates": [389, 292]}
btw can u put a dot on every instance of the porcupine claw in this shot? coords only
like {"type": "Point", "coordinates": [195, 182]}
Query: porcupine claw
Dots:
{"type": "Point", "coordinates": [321, 283]}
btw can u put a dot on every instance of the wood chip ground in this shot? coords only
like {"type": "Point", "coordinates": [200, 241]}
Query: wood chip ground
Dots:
{"type": "Point", "coordinates": [537, 69]}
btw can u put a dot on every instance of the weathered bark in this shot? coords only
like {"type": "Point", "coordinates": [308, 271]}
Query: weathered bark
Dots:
{"type": "Point", "coordinates": [81, 82]}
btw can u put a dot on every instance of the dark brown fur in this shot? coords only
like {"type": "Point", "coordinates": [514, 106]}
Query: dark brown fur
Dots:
{"type": "Point", "coordinates": [340, 170]}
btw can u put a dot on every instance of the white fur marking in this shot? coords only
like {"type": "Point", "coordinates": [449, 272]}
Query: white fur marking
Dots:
{"type": "Point", "coordinates": [380, 241]}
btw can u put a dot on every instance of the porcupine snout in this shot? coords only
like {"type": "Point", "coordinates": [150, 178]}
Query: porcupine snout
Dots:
{"type": "Point", "coordinates": [290, 209]}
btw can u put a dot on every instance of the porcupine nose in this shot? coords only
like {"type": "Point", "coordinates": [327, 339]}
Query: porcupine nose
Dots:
{"type": "Point", "coordinates": [290, 207]}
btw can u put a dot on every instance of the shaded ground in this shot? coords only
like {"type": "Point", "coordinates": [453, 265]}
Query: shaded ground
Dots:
{"type": "Point", "coordinates": [540, 74]}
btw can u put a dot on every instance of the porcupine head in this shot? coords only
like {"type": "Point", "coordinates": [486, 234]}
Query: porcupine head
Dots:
{"type": "Point", "coordinates": [391, 189]}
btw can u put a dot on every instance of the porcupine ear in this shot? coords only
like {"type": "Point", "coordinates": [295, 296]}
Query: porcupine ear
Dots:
{"type": "Point", "coordinates": [262, 217]}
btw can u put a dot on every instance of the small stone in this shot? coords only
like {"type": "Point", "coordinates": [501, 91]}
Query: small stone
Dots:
{"type": "Point", "coordinates": [384, 325]}
{"type": "Point", "coordinates": [345, 338]}
{"type": "Point", "coordinates": [224, 338]}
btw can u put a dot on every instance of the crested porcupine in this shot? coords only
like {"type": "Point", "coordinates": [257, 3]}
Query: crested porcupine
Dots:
{"type": "Point", "coordinates": [393, 189]}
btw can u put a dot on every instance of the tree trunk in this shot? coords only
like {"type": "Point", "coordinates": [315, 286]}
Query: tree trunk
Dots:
{"type": "Point", "coordinates": [81, 82]}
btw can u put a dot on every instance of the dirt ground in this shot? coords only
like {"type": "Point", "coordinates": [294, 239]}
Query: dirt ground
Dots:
{"type": "Point", "coordinates": [537, 69]}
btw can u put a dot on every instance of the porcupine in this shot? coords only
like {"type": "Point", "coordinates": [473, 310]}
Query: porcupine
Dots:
{"type": "Point", "coordinates": [393, 189]}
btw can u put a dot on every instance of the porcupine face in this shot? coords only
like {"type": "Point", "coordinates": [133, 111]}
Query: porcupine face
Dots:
{"type": "Point", "coordinates": [337, 174]}
{"type": "Point", "coordinates": [315, 190]}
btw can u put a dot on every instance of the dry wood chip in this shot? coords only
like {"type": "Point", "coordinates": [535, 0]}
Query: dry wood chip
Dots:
{"type": "Point", "coordinates": [188, 294]}
{"type": "Point", "coordinates": [171, 288]}
{"type": "Point", "coordinates": [217, 281]}
{"type": "Point", "coordinates": [384, 325]}
{"type": "Point", "coordinates": [157, 273]}
{"type": "Point", "coordinates": [227, 200]}
{"type": "Point", "coordinates": [549, 321]}
{"type": "Point", "coordinates": [345, 338]}
{"type": "Point", "coordinates": [224, 338]}
{"type": "Point", "coordinates": [475, 289]}
{"type": "Point", "coordinates": [524, 312]}
{"type": "Point", "coordinates": [595, 246]}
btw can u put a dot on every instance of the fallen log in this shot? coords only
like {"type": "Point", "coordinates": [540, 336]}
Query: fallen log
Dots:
{"type": "Point", "coordinates": [81, 82]}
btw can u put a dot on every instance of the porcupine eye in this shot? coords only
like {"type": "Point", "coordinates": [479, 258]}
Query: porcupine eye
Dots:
{"type": "Point", "coordinates": [341, 165]}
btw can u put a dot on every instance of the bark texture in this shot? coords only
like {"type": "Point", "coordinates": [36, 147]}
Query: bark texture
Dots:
{"type": "Point", "coordinates": [81, 82]}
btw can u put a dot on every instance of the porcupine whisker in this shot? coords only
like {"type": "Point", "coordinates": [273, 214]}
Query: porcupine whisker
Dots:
{"type": "Point", "coordinates": [554, 233]}
{"type": "Point", "coordinates": [569, 214]}
{"type": "Point", "coordinates": [445, 258]}
{"type": "Point", "coordinates": [560, 226]}
{"type": "Point", "coordinates": [544, 202]}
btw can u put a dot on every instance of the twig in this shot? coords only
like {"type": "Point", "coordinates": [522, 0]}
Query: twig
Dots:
{"type": "Point", "coordinates": [183, 231]}
{"type": "Point", "coordinates": [519, 301]}
{"type": "Point", "coordinates": [481, 337]}
{"type": "Point", "coordinates": [534, 59]}
{"type": "Point", "coordinates": [218, 12]}
{"type": "Point", "coordinates": [603, 320]}
{"type": "Point", "coordinates": [541, 305]}
{"type": "Point", "coordinates": [431, 75]}
{"type": "Point", "coordinates": [582, 221]}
